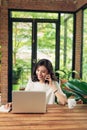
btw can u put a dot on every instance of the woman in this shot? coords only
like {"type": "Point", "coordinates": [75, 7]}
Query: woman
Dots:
{"type": "Point", "coordinates": [43, 79]}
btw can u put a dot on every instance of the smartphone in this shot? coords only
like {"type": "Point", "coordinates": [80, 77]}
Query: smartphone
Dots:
{"type": "Point", "coordinates": [46, 81]}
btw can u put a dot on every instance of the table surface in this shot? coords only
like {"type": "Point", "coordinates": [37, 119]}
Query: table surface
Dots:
{"type": "Point", "coordinates": [57, 118]}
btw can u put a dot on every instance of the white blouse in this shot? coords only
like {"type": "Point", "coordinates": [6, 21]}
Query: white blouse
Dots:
{"type": "Point", "coordinates": [37, 86]}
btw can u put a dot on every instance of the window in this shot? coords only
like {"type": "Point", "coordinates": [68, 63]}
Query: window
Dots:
{"type": "Point", "coordinates": [66, 41]}
{"type": "Point", "coordinates": [84, 56]}
{"type": "Point", "coordinates": [37, 35]}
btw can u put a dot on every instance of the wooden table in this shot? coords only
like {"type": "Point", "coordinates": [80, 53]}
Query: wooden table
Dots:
{"type": "Point", "coordinates": [57, 118]}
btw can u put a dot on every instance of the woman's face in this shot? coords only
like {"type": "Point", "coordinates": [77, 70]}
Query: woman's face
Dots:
{"type": "Point", "coordinates": [41, 73]}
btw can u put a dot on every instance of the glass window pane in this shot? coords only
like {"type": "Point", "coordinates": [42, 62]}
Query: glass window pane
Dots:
{"type": "Point", "coordinates": [66, 41]}
{"type": "Point", "coordinates": [46, 41]}
{"type": "Point", "coordinates": [39, 15]}
{"type": "Point", "coordinates": [84, 57]}
{"type": "Point", "coordinates": [21, 53]}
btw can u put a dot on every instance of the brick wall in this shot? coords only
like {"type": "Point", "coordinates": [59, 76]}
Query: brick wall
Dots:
{"type": "Point", "coordinates": [78, 40]}
{"type": "Point", "coordinates": [31, 5]}
{"type": "Point", "coordinates": [4, 49]}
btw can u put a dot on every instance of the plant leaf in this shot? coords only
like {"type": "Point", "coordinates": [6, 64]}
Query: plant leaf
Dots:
{"type": "Point", "coordinates": [81, 87]}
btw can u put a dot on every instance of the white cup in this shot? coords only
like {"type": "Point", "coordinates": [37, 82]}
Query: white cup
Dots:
{"type": "Point", "coordinates": [71, 103]}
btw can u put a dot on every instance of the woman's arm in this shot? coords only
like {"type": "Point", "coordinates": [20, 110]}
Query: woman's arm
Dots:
{"type": "Point", "coordinates": [61, 97]}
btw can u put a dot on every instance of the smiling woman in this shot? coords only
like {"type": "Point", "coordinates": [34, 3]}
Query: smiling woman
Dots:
{"type": "Point", "coordinates": [44, 79]}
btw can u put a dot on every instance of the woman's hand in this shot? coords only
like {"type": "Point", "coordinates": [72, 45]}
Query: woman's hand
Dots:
{"type": "Point", "coordinates": [62, 99]}
{"type": "Point", "coordinates": [50, 82]}
{"type": "Point", "coordinates": [8, 105]}
{"type": "Point", "coordinates": [48, 78]}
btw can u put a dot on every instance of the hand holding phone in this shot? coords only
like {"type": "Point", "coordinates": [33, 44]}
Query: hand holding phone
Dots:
{"type": "Point", "coordinates": [47, 78]}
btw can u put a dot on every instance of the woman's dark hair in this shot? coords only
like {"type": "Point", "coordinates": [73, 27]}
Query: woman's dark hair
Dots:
{"type": "Point", "coordinates": [48, 65]}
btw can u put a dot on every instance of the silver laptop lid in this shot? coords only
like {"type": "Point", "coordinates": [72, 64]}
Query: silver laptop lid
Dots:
{"type": "Point", "coordinates": [28, 102]}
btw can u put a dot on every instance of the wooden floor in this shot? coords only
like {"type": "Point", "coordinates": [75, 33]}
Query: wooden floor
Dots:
{"type": "Point", "coordinates": [57, 118]}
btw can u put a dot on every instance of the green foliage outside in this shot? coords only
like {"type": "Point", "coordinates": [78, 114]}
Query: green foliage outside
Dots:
{"type": "Point", "coordinates": [84, 62]}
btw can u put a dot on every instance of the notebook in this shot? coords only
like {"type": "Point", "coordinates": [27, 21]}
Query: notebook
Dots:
{"type": "Point", "coordinates": [28, 102]}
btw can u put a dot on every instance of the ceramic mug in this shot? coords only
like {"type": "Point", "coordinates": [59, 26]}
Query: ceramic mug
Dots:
{"type": "Point", "coordinates": [71, 103]}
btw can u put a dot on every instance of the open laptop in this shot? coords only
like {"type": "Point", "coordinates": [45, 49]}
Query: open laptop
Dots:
{"type": "Point", "coordinates": [28, 102]}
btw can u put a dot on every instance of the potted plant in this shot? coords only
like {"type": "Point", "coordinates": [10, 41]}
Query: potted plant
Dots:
{"type": "Point", "coordinates": [64, 74]}
{"type": "Point", "coordinates": [72, 87]}
{"type": "Point", "coordinates": [76, 88]}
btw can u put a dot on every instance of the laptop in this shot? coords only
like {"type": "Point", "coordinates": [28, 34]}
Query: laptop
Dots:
{"type": "Point", "coordinates": [28, 102]}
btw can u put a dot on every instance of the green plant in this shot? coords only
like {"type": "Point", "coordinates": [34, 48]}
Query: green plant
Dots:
{"type": "Point", "coordinates": [65, 73]}
{"type": "Point", "coordinates": [16, 74]}
{"type": "Point", "coordinates": [76, 88]}
{"type": "Point", "coordinates": [72, 87]}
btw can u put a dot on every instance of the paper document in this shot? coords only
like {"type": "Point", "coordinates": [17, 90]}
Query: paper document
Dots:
{"type": "Point", "coordinates": [3, 109]}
